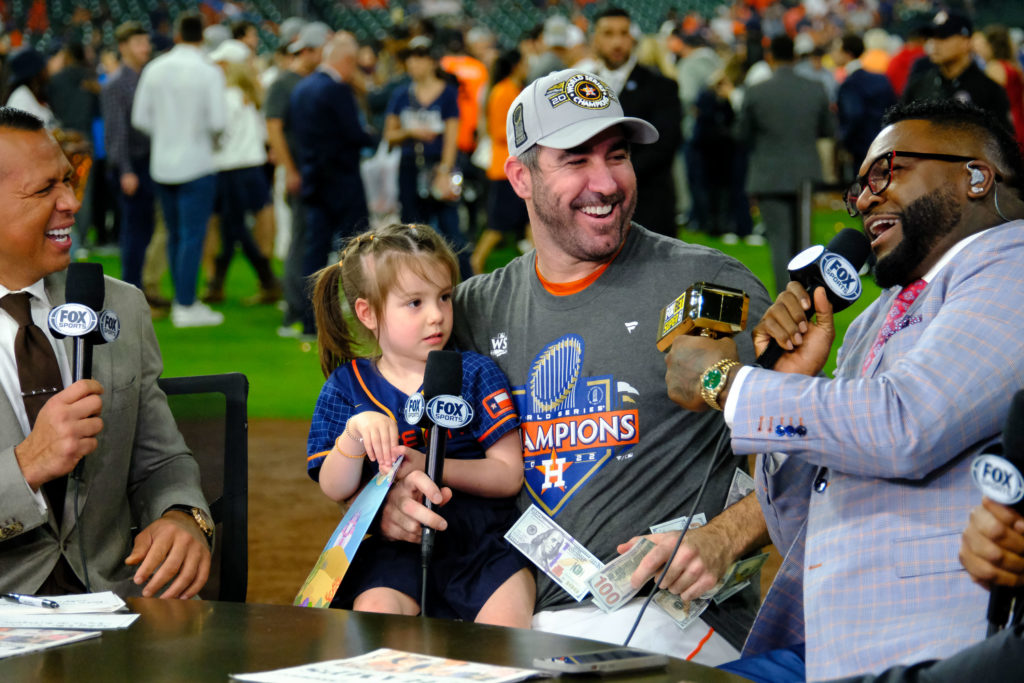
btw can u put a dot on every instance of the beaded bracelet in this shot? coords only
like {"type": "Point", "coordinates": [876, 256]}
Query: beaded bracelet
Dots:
{"type": "Point", "coordinates": [338, 448]}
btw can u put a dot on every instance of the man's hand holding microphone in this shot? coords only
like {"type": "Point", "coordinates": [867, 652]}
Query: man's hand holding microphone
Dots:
{"type": "Point", "coordinates": [787, 339]}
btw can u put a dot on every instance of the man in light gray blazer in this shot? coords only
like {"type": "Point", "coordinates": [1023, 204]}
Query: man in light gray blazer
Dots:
{"type": "Point", "coordinates": [867, 486]}
{"type": "Point", "coordinates": [136, 471]}
{"type": "Point", "coordinates": [780, 122]}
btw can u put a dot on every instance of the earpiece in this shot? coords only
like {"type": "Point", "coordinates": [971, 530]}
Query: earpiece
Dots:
{"type": "Point", "coordinates": [977, 177]}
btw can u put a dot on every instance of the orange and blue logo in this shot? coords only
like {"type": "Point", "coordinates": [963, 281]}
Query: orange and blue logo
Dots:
{"type": "Point", "coordinates": [572, 424]}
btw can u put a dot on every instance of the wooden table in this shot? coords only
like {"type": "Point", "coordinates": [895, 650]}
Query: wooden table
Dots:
{"type": "Point", "coordinates": [193, 641]}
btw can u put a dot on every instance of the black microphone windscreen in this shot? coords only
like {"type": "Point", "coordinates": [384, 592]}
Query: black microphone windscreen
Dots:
{"type": "Point", "coordinates": [852, 245]}
{"type": "Point", "coordinates": [1013, 432]}
{"type": "Point", "coordinates": [85, 285]}
{"type": "Point", "coordinates": [443, 374]}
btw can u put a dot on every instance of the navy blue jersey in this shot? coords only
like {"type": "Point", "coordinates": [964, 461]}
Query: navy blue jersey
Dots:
{"type": "Point", "coordinates": [471, 558]}
{"type": "Point", "coordinates": [358, 386]}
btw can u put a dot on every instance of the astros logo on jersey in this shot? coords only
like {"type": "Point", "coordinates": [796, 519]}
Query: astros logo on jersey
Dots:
{"type": "Point", "coordinates": [571, 424]}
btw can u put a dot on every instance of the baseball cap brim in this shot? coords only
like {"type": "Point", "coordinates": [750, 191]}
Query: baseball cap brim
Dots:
{"type": "Point", "coordinates": [636, 130]}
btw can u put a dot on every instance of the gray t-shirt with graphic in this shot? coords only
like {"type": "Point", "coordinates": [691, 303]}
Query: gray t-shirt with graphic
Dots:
{"type": "Point", "coordinates": [607, 453]}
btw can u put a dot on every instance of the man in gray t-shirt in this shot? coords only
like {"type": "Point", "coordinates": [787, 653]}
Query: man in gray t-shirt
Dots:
{"type": "Point", "coordinates": [606, 452]}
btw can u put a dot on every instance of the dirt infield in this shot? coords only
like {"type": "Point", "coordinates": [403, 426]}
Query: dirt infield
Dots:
{"type": "Point", "coordinates": [289, 518]}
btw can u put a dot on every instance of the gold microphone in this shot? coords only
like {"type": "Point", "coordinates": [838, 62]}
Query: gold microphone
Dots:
{"type": "Point", "coordinates": [706, 309]}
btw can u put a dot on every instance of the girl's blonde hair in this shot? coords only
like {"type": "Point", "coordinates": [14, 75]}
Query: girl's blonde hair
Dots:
{"type": "Point", "coordinates": [244, 77]}
{"type": "Point", "coordinates": [369, 268]}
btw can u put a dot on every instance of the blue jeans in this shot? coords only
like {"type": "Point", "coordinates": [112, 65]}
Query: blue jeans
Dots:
{"type": "Point", "coordinates": [442, 216]}
{"type": "Point", "coordinates": [241, 191]}
{"type": "Point", "coordinates": [785, 665]}
{"type": "Point", "coordinates": [138, 216]}
{"type": "Point", "coordinates": [187, 209]}
{"type": "Point", "coordinates": [325, 230]}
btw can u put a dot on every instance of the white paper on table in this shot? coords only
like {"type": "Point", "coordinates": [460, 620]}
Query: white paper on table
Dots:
{"type": "Point", "coordinates": [102, 622]}
{"type": "Point", "coordinates": [22, 641]}
{"type": "Point", "coordinates": [69, 604]}
{"type": "Point", "coordinates": [396, 665]}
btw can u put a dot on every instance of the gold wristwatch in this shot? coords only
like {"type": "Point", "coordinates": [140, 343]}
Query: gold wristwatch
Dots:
{"type": "Point", "coordinates": [714, 380]}
{"type": "Point", "coordinates": [204, 523]}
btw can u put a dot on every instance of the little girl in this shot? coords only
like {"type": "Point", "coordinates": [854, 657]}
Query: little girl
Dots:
{"type": "Point", "coordinates": [398, 283]}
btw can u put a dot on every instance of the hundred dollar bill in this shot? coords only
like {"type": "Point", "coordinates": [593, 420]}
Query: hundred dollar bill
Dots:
{"type": "Point", "coordinates": [683, 612]}
{"type": "Point", "coordinates": [736, 577]}
{"type": "Point", "coordinates": [611, 586]}
{"type": "Point", "coordinates": [677, 524]}
{"type": "Point", "coordinates": [742, 484]}
{"type": "Point", "coordinates": [554, 551]}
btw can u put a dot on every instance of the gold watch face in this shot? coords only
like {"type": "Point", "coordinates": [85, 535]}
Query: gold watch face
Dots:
{"type": "Point", "coordinates": [204, 523]}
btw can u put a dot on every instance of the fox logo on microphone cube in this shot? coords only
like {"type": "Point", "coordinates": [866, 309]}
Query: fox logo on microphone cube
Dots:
{"type": "Point", "coordinates": [450, 412]}
{"type": "Point", "coordinates": [413, 409]}
{"type": "Point", "coordinates": [109, 326]}
{"type": "Point", "coordinates": [998, 479]}
{"type": "Point", "coordinates": [842, 276]}
{"type": "Point", "coordinates": [72, 320]}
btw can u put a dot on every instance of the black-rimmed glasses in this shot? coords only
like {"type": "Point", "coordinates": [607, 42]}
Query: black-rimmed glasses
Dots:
{"type": "Point", "coordinates": [879, 174]}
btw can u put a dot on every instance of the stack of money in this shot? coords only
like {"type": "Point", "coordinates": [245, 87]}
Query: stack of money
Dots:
{"type": "Point", "coordinates": [554, 551]}
{"type": "Point", "coordinates": [740, 487]}
{"type": "Point", "coordinates": [611, 586]}
{"type": "Point", "coordinates": [736, 578]}
{"type": "Point", "coordinates": [683, 612]}
{"type": "Point", "coordinates": [679, 523]}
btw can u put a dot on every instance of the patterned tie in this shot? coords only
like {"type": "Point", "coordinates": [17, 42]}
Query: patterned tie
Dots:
{"type": "Point", "coordinates": [38, 374]}
{"type": "Point", "coordinates": [893, 320]}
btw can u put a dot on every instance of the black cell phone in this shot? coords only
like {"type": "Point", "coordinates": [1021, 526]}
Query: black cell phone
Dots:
{"type": "Point", "coordinates": [615, 659]}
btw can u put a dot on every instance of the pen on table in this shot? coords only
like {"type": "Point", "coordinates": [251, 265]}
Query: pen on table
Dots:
{"type": "Point", "coordinates": [30, 600]}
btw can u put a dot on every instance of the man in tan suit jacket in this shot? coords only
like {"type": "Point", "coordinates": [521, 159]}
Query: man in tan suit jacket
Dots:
{"type": "Point", "coordinates": [136, 471]}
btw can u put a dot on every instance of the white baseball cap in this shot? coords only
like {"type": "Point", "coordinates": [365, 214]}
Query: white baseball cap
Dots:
{"type": "Point", "coordinates": [565, 109]}
{"type": "Point", "coordinates": [231, 51]}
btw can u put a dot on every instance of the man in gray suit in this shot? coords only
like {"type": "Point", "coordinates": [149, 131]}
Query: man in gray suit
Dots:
{"type": "Point", "coordinates": [867, 481]}
{"type": "Point", "coordinates": [780, 122]}
{"type": "Point", "coordinates": [136, 470]}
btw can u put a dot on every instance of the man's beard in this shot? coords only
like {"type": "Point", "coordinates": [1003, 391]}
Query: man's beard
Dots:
{"type": "Point", "coordinates": [559, 222]}
{"type": "Point", "coordinates": [924, 222]}
{"type": "Point", "coordinates": [612, 62]}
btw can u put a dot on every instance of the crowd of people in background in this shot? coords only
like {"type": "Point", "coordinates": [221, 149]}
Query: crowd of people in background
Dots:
{"type": "Point", "coordinates": [282, 138]}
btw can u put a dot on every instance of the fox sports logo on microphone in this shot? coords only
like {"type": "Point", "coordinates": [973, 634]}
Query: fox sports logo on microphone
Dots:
{"type": "Point", "coordinates": [449, 412]}
{"type": "Point", "coordinates": [998, 479]}
{"type": "Point", "coordinates": [72, 320]}
{"type": "Point", "coordinates": [840, 276]}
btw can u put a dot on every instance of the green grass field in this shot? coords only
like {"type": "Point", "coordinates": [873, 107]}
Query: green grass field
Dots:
{"type": "Point", "coordinates": [284, 374]}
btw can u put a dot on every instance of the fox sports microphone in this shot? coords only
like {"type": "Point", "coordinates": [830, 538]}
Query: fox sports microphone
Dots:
{"type": "Point", "coordinates": [442, 384]}
{"type": "Point", "coordinates": [705, 309]}
{"type": "Point", "coordinates": [78, 317]}
{"type": "Point", "coordinates": [997, 474]}
{"type": "Point", "coordinates": [835, 268]}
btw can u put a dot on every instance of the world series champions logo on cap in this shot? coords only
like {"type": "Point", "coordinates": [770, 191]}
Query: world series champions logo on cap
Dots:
{"type": "Point", "coordinates": [583, 90]}
{"type": "Point", "coordinates": [518, 125]}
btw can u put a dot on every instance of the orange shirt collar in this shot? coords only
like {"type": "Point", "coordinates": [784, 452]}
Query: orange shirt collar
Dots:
{"type": "Point", "coordinates": [575, 286]}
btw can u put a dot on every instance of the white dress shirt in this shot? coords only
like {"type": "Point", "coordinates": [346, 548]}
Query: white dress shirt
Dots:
{"type": "Point", "coordinates": [40, 308]}
{"type": "Point", "coordinates": [180, 104]}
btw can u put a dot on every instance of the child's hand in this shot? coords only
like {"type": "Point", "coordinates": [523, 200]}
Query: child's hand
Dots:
{"type": "Point", "coordinates": [379, 434]}
{"type": "Point", "coordinates": [414, 460]}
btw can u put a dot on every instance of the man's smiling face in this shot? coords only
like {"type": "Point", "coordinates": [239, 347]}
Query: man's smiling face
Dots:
{"type": "Point", "coordinates": [584, 197]}
{"type": "Point", "coordinates": [37, 207]}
